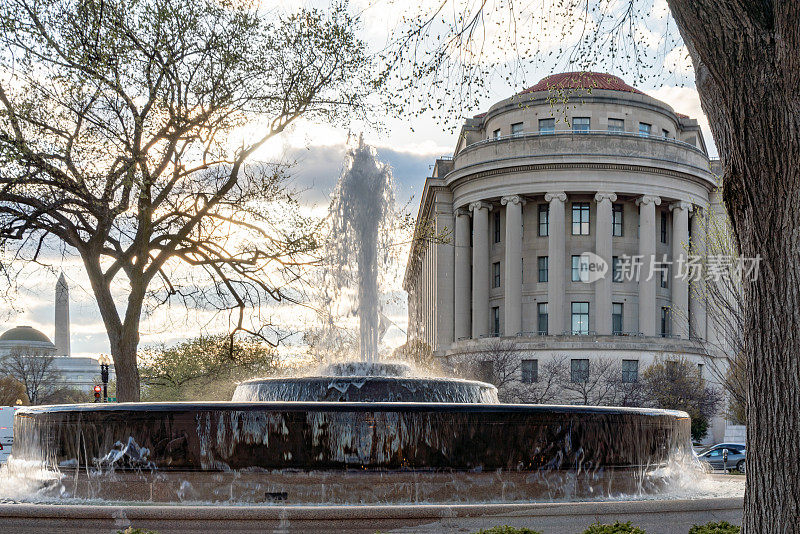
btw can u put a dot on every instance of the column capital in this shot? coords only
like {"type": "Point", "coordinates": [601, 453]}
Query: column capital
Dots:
{"type": "Point", "coordinates": [512, 199]}
{"type": "Point", "coordinates": [681, 205]}
{"type": "Point", "coordinates": [461, 211]}
{"type": "Point", "coordinates": [479, 205]}
{"type": "Point", "coordinates": [558, 195]}
{"type": "Point", "coordinates": [601, 196]}
{"type": "Point", "coordinates": [647, 199]}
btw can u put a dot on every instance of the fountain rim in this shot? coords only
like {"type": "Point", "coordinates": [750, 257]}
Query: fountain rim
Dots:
{"type": "Point", "coordinates": [346, 406]}
{"type": "Point", "coordinates": [371, 378]}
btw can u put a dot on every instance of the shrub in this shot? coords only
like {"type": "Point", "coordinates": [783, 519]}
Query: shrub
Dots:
{"type": "Point", "coordinates": [131, 530]}
{"type": "Point", "coordinates": [616, 528]}
{"type": "Point", "coordinates": [722, 527]}
{"type": "Point", "coordinates": [505, 529]}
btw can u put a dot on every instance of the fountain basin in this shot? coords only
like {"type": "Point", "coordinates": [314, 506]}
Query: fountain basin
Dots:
{"type": "Point", "coordinates": [345, 435]}
{"type": "Point", "coordinates": [365, 382]}
{"type": "Point", "coordinates": [347, 452]}
{"type": "Point", "coordinates": [365, 389]}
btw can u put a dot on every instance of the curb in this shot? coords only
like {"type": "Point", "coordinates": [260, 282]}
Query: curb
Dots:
{"type": "Point", "coordinates": [334, 513]}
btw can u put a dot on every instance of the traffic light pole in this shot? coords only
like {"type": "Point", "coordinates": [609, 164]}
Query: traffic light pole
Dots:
{"type": "Point", "coordinates": [104, 376]}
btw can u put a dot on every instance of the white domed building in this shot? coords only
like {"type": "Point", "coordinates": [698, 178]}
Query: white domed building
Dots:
{"type": "Point", "coordinates": [81, 373]}
{"type": "Point", "coordinates": [26, 339]}
{"type": "Point", "coordinates": [533, 186]}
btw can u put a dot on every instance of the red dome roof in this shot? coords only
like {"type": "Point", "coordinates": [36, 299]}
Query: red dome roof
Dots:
{"type": "Point", "coordinates": [582, 80]}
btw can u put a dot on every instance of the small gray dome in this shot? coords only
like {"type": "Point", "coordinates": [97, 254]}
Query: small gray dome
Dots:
{"type": "Point", "coordinates": [24, 333]}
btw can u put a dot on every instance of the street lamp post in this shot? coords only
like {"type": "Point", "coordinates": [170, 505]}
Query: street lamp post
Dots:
{"type": "Point", "coordinates": [104, 362]}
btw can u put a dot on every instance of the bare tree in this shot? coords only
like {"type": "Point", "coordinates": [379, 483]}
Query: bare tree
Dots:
{"type": "Point", "coordinates": [501, 362]}
{"type": "Point", "coordinates": [546, 388]}
{"type": "Point", "coordinates": [746, 58]}
{"type": "Point", "coordinates": [678, 385]}
{"type": "Point", "coordinates": [36, 371]}
{"type": "Point", "coordinates": [122, 141]}
{"type": "Point", "coordinates": [630, 393]}
{"type": "Point", "coordinates": [595, 385]}
{"type": "Point", "coordinates": [498, 362]}
{"type": "Point", "coordinates": [723, 297]}
{"type": "Point", "coordinates": [12, 391]}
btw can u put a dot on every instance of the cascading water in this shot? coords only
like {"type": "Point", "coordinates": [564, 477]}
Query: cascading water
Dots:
{"type": "Point", "coordinates": [362, 203]}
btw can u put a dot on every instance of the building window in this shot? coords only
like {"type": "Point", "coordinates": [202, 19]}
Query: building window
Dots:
{"type": "Point", "coordinates": [664, 321]}
{"type": "Point", "coordinates": [580, 124]}
{"type": "Point", "coordinates": [496, 133]}
{"type": "Point", "coordinates": [496, 274]}
{"type": "Point", "coordinates": [541, 310]}
{"type": "Point", "coordinates": [663, 270]}
{"type": "Point", "coordinates": [616, 269]}
{"type": "Point", "coordinates": [530, 371]}
{"type": "Point", "coordinates": [547, 126]}
{"type": "Point", "coordinates": [577, 263]}
{"type": "Point", "coordinates": [630, 371]}
{"type": "Point", "coordinates": [663, 226]}
{"type": "Point", "coordinates": [616, 125]}
{"type": "Point", "coordinates": [579, 370]}
{"type": "Point", "coordinates": [580, 318]}
{"type": "Point", "coordinates": [496, 320]}
{"type": "Point", "coordinates": [522, 270]}
{"type": "Point", "coordinates": [644, 129]}
{"type": "Point", "coordinates": [497, 227]}
{"type": "Point", "coordinates": [516, 129]}
{"type": "Point", "coordinates": [544, 220]}
{"type": "Point", "coordinates": [616, 220]}
{"type": "Point", "coordinates": [665, 134]}
{"type": "Point", "coordinates": [542, 265]}
{"type": "Point", "coordinates": [616, 318]}
{"type": "Point", "coordinates": [580, 218]}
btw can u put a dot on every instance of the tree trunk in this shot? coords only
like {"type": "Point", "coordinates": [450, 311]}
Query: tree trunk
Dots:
{"type": "Point", "coordinates": [123, 337]}
{"type": "Point", "coordinates": [747, 61]}
{"type": "Point", "coordinates": [123, 350]}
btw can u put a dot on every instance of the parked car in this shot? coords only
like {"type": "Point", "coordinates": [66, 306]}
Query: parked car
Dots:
{"type": "Point", "coordinates": [715, 458]}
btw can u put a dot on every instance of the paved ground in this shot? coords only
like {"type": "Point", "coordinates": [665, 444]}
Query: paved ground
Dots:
{"type": "Point", "coordinates": [655, 516]}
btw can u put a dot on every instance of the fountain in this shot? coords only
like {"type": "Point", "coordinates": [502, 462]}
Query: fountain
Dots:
{"type": "Point", "coordinates": [356, 432]}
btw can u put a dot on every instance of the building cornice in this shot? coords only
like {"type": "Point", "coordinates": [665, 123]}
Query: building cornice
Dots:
{"type": "Point", "coordinates": [537, 167]}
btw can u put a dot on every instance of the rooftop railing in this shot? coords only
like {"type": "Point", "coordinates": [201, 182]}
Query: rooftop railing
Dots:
{"type": "Point", "coordinates": [579, 333]}
{"type": "Point", "coordinates": [523, 135]}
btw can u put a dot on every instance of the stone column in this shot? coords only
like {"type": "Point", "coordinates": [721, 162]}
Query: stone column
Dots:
{"type": "Point", "coordinates": [513, 281]}
{"type": "Point", "coordinates": [556, 251]}
{"type": "Point", "coordinates": [697, 306]}
{"type": "Point", "coordinates": [603, 248]}
{"type": "Point", "coordinates": [679, 312]}
{"type": "Point", "coordinates": [647, 249]}
{"type": "Point", "coordinates": [480, 268]}
{"type": "Point", "coordinates": [462, 302]}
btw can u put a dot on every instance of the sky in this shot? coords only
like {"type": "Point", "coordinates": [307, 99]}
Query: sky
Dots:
{"type": "Point", "coordinates": [409, 144]}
